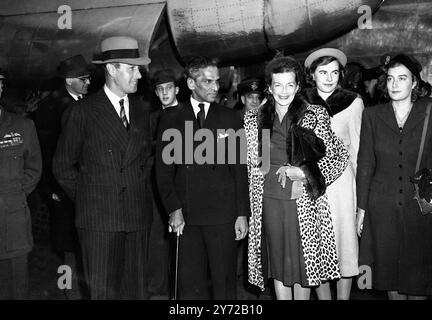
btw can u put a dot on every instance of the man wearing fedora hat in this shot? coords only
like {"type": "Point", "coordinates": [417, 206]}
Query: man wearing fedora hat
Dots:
{"type": "Point", "coordinates": [103, 162]}
{"type": "Point", "coordinates": [20, 170]}
{"type": "Point", "coordinates": [75, 75]}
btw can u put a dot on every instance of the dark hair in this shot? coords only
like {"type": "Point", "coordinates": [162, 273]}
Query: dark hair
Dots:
{"type": "Point", "coordinates": [415, 93]}
{"type": "Point", "coordinates": [282, 64]}
{"type": "Point", "coordinates": [323, 61]}
{"type": "Point", "coordinates": [115, 64]}
{"type": "Point", "coordinates": [279, 64]}
{"type": "Point", "coordinates": [196, 63]}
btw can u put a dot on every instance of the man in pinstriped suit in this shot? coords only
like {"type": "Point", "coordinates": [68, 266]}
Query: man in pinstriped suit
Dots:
{"type": "Point", "coordinates": [103, 162]}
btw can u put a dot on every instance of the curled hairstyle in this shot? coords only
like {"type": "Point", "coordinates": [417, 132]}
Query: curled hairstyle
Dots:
{"type": "Point", "coordinates": [281, 64]}
{"type": "Point", "coordinates": [416, 91]}
{"type": "Point", "coordinates": [196, 63]}
{"type": "Point", "coordinates": [323, 61]}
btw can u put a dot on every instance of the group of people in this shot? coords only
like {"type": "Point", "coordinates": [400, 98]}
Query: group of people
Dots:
{"type": "Point", "coordinates": [370, 155]}
{"type": "Point", "coordinates": [336, 194]}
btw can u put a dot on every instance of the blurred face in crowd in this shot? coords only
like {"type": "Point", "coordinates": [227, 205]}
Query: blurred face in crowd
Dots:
{"type": "Point", "coordinates": [251, 100]}
{"type": "Point", "coordinates": [124, 78]}
{"type": "Point", "coordinates": [400, 83]}
{"type": "Point", "coordinates": [166, 93]}
{"type": "Point", "coordinates": [206, 86]}
{"type": "Point", "coordinates": [78, 86]}
{"type": "Point", "coordinates": [1, 87]}
{"type": "Point", "coordinates": [326, 77]}
{"type": "Point", "coordinates": [283, 87]}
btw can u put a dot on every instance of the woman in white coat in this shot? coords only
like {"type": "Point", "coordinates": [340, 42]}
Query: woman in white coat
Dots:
{"type": "Point", "coordinates": [325, 67]}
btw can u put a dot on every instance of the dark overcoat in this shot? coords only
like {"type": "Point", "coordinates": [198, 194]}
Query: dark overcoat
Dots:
{"type": "Point", "coordinates": [397, 240]}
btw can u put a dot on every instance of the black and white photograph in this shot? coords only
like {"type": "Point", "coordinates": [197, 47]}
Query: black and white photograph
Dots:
{"type": "Point", "coordinates": [218, 155]}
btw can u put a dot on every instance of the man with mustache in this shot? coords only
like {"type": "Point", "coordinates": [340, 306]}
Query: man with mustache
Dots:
{"type": "Point", "coordinates": [207, 202]}
{"type": "Point", "coordinates": [103, 163]}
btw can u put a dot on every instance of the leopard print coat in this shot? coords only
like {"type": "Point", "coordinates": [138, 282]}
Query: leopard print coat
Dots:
{"type": "Point", "coordinates": [316, 229]}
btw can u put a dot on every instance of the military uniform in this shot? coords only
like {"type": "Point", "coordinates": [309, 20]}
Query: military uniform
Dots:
{"type": "Point", "coordinates": [20, 171]}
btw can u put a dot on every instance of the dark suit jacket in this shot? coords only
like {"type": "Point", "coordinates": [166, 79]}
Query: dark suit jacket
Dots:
{"type": "Point", "coordinates": [209, 194]}
{"type": "Point", "coordinates": [48, 124]}
{"type": "Point", "coordinates": [104, 168]}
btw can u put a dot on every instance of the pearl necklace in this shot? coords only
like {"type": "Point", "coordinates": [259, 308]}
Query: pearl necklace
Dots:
{"type": "Point", "coordinates": [401, 120]}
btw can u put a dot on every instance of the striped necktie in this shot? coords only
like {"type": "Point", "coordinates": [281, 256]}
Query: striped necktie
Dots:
{"type": "Point", "coordinates": [123, 115]}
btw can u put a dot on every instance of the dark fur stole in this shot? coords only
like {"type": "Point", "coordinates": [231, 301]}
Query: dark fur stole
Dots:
{"type": "Point", "coordinates": [315, 181]}
{"type": "Point", "coordinates": [338, 101]}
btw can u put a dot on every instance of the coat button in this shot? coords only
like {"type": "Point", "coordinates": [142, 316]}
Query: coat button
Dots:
{"type": "Point", "coordinates": [400, 191]}
{"type": "Point", "coordinates": [400, 141]}
{"type": "Point", "coordinates": [400, 153]}
{"type": "Point", "coordinates": [400, 178]}
{"type": "Point", "coordinates": [400, 203]}
{"type": "Point", "coordinates": [123, 189]}
{"type": "Point", "coordinates": [121, 170]}
{"type": "Point", "coordinates": [400, 166]}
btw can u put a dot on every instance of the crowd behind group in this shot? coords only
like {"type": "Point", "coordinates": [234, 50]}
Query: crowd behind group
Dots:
{"type": "Point", "coordinates": [338, 192]}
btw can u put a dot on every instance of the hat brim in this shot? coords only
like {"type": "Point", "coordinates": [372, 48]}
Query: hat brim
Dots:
{"type": "Point", "coordinates": [332, 52]}
{"type": "Point", "coordinates": [251, 91]}
{"type": "Point", "coordinates": [134, 61]}
{"type": "Point", "coordinates": [76, 74]}
{"type": "Point", "coordinates": [1, 76]}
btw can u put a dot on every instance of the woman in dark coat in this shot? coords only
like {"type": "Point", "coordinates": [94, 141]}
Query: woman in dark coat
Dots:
{"type": "Point", "coordinates": [397, 240]}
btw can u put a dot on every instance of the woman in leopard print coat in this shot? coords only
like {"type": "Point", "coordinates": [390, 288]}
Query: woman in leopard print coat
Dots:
{"type": "Point", "coordinates": [295, 226]}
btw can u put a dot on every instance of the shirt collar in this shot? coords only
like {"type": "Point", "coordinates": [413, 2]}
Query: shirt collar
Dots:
{"type": "Point", "coordinates": [115, 101]}
{"type": "Point", "coordinates": [175, 104]}
{"type": "Point", "coordinates": [75, 96]}
{"type": "Point", "coordinates": [196, 108]}
{"type": "Point", "coordinates": [113, 97]}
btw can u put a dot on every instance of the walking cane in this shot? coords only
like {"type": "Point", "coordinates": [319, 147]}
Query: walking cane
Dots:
{"type": "Point", "coordinates": [176, 265]}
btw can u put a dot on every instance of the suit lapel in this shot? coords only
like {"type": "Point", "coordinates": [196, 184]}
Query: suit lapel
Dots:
{"type": "Point", "coordinates": [212, 117]}
{"type": "Point", "coordinates": [5, 120]}
{"type": "Point", "coordinates": [388, 117]}
{"type": "Point", "coordinates": [415, 118]}
{"type": "Point", "coordinates": [189, 115]}
{"type": "Point", "coordinates": [138, 132]}
{"type": "Point", "coordinates": [107, 118]}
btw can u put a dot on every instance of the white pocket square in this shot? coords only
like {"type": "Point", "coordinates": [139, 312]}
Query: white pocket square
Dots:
{"type": "Point", "coordinates": [222, 135]}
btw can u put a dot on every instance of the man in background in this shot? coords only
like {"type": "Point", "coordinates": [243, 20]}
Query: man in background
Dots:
{"type": "Point", "coordinates": [75, 75]}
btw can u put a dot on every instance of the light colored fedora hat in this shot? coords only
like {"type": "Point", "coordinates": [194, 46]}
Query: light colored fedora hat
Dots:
{"type": "Point", "coordinates": [121, 49]}
{"type": "Point", "coordinates": [331, 52]}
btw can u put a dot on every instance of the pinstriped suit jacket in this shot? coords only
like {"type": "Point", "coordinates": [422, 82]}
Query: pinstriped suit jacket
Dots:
{"type": "Point", "coordinates": [104, 168]}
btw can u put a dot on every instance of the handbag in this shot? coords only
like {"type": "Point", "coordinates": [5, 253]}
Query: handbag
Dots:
{"type": "Point", "coordinates": [424, 205]}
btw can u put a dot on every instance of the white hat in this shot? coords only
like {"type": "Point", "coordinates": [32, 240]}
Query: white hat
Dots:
{"type": "Point", "coordinates": [121, 49]}
{"type": "Point", "coordinates": [332, 52]}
